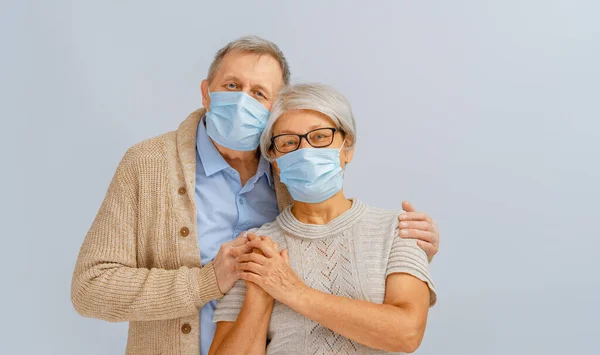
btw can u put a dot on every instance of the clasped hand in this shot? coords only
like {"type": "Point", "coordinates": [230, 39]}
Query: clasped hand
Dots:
{"type": "Point", "coordinates": [269, 268]}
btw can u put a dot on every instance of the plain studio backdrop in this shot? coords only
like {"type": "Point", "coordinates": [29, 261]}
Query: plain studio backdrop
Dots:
{"type": "Point", "coordinates": [485, 114]}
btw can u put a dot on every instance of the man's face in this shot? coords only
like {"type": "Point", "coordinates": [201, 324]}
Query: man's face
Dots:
{"type": "Point", "coordinates": [259, 76]}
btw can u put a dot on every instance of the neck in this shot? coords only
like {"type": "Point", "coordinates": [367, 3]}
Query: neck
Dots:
{"type": "Point", "coordinates": [323, 212]}
{"type": "Point", "coordinates": [238, 157]}
{"type": "Point", "coordinates": [245, 163]}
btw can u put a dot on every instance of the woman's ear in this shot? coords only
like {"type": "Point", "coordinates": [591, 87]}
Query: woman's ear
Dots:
{"type": "Point", "coordinates": [347, 152]}
{"type": "Point", "coordinates": [205, 96]}
{"type": "Point", "coordinates": [347, 155]}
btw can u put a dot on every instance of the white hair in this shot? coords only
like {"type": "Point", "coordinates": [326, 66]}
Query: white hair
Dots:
{"type": "Point", "coordinates": [315, 97]}
{"type": "Point", "coordinates": [254, 45]}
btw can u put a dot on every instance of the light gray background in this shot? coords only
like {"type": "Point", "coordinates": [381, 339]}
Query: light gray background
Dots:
{"type": "Point", "coordinates": [482, 113]}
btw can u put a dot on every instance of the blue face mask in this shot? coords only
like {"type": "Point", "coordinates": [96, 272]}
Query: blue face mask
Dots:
{"type": "Point", "coordinates": [235, 120]}
{"type": "Point", "coordinates": [312, 175]}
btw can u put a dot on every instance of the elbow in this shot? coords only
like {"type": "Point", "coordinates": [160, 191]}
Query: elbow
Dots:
{"type": "Point", "coordinates": [78, 298]}
{"type": "Point", "coordinates": [411, 344]}
{"type": "Point", "coordinates": [409, 341]}
{"type": "Point", "coordinates": [407, 344]}
{"type": "Point", "coordinates": [84, 301]}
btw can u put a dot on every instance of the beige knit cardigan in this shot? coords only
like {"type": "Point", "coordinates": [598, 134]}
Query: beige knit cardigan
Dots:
{"type": "Point", "coordinates": [140, 260]}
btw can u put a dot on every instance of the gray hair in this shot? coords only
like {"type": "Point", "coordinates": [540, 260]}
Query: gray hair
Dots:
{"type": "Point", "coordinates": [255, 45]}
{"type": "Point", "coordinates": [316, 97]}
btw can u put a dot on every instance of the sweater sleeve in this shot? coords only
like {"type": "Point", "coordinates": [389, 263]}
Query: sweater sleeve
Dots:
{"type": "Point", "coordinates": [407, 257]}
{"type": "Point", "coordinates": [230, 306]}
{"type": "Point", "coordinates": [107, 284]}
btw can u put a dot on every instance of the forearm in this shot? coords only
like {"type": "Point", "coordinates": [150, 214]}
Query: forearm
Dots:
{"type": "Point", "coordinates": [115, 292]}
{"type": "Point", "coordinates": [379, 326]}
{"type": "Point", "coordinates": [249, 332]}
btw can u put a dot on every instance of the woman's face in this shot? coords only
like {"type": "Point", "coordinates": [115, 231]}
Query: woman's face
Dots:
{"type": "Point", "coordinates": [304, 121]}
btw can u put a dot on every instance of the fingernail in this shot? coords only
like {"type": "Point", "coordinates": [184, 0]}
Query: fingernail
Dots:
{"type": "Point", "coordinates": [403, 224]}
{"type": "Point", "coordinates": [402, 217]}
{"type": "Point", "coordinates": [404, 232]}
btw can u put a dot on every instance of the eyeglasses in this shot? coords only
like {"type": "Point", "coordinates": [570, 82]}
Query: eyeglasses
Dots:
{"type": "Point", "coordinates": [317, 138]}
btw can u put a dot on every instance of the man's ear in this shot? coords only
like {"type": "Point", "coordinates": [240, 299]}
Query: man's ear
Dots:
{"type": "Point", "coordinates": [205, 96]}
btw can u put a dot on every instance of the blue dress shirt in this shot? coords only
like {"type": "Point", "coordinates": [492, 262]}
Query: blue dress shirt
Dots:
{"type": "Point", "coordinates": [225, 208]}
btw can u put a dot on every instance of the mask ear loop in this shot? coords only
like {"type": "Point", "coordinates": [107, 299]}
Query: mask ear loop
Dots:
{"type": "Point", "coordinates": [342, 147]}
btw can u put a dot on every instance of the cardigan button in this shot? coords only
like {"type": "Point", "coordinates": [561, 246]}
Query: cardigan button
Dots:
{"type": "Point", "coordinates": [184, 232]}
{"type": "Point", "coordinates": [182, 191]}
{"type": "Point", "coordinates": [186, 328]}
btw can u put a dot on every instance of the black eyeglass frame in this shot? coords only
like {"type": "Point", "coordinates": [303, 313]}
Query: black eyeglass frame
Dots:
{"type": "Point", "coordinates": [305, 136]}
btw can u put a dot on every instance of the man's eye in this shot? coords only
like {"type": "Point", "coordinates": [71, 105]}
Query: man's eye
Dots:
{"type": "Point", "coordinates": [231, 86]}
{"type": "Point", "coordinates": [260, 94]}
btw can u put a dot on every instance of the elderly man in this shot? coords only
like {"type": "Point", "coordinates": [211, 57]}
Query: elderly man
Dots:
{"type": "Point", "coordinates": [162, 247]}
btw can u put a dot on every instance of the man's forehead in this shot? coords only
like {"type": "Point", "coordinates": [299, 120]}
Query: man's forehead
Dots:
{"type": "Point", "coordinates": [256, 68]}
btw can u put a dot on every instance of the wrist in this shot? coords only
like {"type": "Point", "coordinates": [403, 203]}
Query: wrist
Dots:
{"type": "Point", "coordinates": [298, 297]}
{"type": "Point", "coordinates": [257, 293]}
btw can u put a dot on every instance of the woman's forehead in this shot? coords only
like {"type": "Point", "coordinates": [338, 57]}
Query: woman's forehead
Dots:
{"type": "Point", "coordinates": [301, 121]}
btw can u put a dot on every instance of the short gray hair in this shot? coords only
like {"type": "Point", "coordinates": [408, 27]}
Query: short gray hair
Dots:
{"type": "Point", "coordinates": [254, 45]}
{"type": "Point", "coordinates": [315, 97]}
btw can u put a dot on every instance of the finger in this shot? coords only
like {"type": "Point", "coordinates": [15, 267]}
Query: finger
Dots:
{"type": "Point", "coordinates": [425, 236]}
{"type": "Point", "coordinates": [285, 256]}
{"type": "Point", "coordinates": [248, 276]}
{"type": "Point", "coordinates": [252, 236]}
{"type": "Point", "coordinates": [414, 216]}
{"type": "Point", "coordinates": [253, 257]}
{"type": "Point", "coordinates": [408, 207]}
{"type": "Point", "coordinates": [435, 227]}
{"type": "Point", "coordinates": [239, 240]}
{"type": "Point", "coordinates": [240, 250]}
{"type": "Point", "coordinates": [250, 267]}
{"type": "Point", "coordinates": [421, 225]}
{"type": "Point", "coordinates": [270, 241]}
{"type": "Point", "coordinates": [428, 248]}
{"type": "Point", "coordinates": [267, 249]}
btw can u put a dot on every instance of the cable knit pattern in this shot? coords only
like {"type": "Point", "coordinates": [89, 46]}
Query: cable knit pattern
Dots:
{"type": "Point", "coordinates": [140, 260]}
{"type": "Point", "coordinates": [351, 256]}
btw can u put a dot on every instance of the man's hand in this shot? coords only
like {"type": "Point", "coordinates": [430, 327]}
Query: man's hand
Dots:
{"type": "Point", "coordinates": [225, 262]}
{"type": "Point", "coordinates": [418, 225]}
{"type": "Point", "coordinates": [251, 287]}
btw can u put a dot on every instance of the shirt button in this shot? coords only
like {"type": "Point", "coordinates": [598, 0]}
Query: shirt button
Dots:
{"type": "Point", "coordinates": [181, 191]}
{"type": "Point", "coordinates": [241, 201]}
{"type": "Point", "coordinates": [184, 232]}
{"type": "Point", "coordinates": [186, 328]}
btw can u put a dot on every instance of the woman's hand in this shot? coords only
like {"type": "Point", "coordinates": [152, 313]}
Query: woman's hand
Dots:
{"type": "Point", "coordinates": [271, 271]}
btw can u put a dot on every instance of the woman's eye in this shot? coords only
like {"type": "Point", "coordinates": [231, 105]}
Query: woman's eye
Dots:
{"type": "Point", "coordinates": [320, 136]}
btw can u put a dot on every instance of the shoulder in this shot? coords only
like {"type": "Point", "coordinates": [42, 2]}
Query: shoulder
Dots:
{"type": "Point", "coordinates": [147, 154]}
{"type": "Point", "coordinates": [377, 227]}
{"type": "Point", "coordinates": [381, 216]}
{"type": "Point", "coordinates": [155, 147]}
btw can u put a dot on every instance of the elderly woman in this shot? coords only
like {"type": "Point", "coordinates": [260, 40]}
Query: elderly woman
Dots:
{"type": "Point", "coordinates": [330, 275]}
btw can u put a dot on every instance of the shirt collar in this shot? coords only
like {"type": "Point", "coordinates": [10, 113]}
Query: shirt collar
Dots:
{"type": "Point", "coordinates": [264, 167]}
{"type": "Point", "coordinates": [213, 162]}
{"type": "Point", "coordinates": [211, 159]}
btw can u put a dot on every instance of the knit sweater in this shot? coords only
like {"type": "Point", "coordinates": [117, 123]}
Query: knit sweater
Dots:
{"type": "Point", "coordinates": [140, 260]}
{"type": "Point", "coordinates": [351, 256]}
